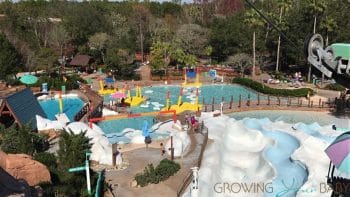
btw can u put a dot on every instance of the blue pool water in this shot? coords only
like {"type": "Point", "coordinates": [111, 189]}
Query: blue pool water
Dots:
{"type": "Point", "coordinates": [71, 106]}
{"type": "Point", "coordinates": [117, 126]}
{"type": "Point", "coordinates": [158, 94]}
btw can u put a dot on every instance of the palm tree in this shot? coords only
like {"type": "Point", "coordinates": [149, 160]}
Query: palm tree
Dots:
{"type": "Point", "coordinates": [254, 21]}
{"type": "Point", "coordinates": [284, 6]}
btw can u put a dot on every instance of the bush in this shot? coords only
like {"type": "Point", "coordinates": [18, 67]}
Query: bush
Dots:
{"type": "Point", "coordinates": [302, 92]}
{"type": "Point", "coordinates": [163, 171]}
{"type": "Point", "coordinates": [48, 159]}
{"type": "Point", "coordinates": [335, 87]}
{"type": "Point", "coordinates": [55, 83]}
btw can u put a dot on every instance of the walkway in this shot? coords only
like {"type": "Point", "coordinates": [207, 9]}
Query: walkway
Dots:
{"type": "Point", "coordinates": [139, 158]}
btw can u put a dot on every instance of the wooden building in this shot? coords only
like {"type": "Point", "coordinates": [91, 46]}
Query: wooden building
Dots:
{"type": "Point", "coordinates": [19, 105]}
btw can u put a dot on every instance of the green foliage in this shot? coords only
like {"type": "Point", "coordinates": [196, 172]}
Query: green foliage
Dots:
{"type": "Point", "coordinates": [71, 154]}
{"type": "Point", "coordinates": [163, 171]}
{"type": "Point", "coordinates": [22, 140]}
{"type": "Point", "coordinates": [9, 58]}
{"type": "Point", "coordinates": [72, 149]}
{"type": "Point", "coordinates": [302, 92]}
{"type": "Point", "coordinates": [56, 82]}
{"type": "Point", "coordinates": [335, 86]}
{"type": "Point", "coordinates": [48, 159]}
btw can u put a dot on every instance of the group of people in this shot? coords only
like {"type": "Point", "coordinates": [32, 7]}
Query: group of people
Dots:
{"type": "Point", "coordinates": [191, 121]}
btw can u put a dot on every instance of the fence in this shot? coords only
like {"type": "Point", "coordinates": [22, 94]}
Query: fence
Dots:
{"type": "Point", "coordinates": [188, 179]}
{"type": "Point", "coordinates": [82, 112]}
{"type": "Point", "coordinates": [270, 102]}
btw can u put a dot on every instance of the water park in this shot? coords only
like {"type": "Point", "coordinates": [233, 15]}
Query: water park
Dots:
{"type": "Point", "coordinates": [166, 99]}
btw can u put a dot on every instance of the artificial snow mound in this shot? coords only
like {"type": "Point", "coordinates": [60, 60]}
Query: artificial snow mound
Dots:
{"type": "Point", "coordinates": [46, 124]}
{"type": "Point", "coordinates": [181, 142]}
{"type": "Point", "coordinates": [101, 148]}
{"type": "Point", "coordinates": [235, 156]}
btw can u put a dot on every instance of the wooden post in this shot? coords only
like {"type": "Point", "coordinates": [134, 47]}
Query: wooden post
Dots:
{"type": "Point", "coordinates": [171, 148]}
{"type": "Point", "coordinates": [231, 102]}
{"type": "Point", "coordinates": [312, 103]}
{"type": "Point", "coordinates": [248, 101]}
{"type": "Point", "coordinates": [212, 105]}
{"type": "Point", "coordinates": [279, 101]}
{"type": "Point", "coordinates": [240, 101]}
{"type": "Point", "coordinates": [319, 103]}
{"type": "Point", "coordinates": [298, 101]}
{"type": "Point", "coordinates": [309, 102]}
{"type": "Point", "coordinates": [288, 102]}
{"type": "Point", "coordinates": [301, 103]}
{"type": "Point", "coordinates": [322, 104]}
{"type": "Point", "coordinates": [268, 99]}
{"type": "Point", "coordinates": [258, 99]}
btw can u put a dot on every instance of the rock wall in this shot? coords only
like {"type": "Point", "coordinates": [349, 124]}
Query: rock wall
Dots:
{"type": "Point", "coordinates": [22, 166]}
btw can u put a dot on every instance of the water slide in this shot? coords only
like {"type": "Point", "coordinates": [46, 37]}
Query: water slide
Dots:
{"type": "Point", "coordinates": [9, 185]}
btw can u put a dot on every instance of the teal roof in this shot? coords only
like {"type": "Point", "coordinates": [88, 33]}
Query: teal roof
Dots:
{"type": "Point", "coordinates": [341, 50]}
{"type": "Point", "coordinates": [25, 106]}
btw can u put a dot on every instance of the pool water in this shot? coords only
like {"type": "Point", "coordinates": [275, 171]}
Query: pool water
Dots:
{"type": "Point", "coordinates": [294, 117]}
{"type": "Point", "coordinates": [71, 106]}
{"type": "Point", "coordinates": [157, 94]}
{"type": "Point", "coordinates": [117, 126]}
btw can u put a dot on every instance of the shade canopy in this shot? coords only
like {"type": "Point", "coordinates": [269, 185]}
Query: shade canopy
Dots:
{"type": "Point", "coordinates": [28, 79]}
{"type": "Point", "coordinates": [118, 95]}
{"type": "Point", "coordinates": [338, 151]}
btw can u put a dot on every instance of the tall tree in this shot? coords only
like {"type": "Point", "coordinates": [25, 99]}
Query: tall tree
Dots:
{"type": "Point", "coordinates": [142, 16]}
{"type": "Point", "coordinates": [59, 37]}
{"type": "Point", "coordinates": [192, 38]}
{"type": "Point", "coordinates": [284, 6]}
{"type": "Point", "coordinates": [98, 42]}
{"type": "Point", "coordinates": [254, 22]}
{"type": "Point", "coordinates": [9, 58]}
{"type": "Point", "coordinates": [243, 60]}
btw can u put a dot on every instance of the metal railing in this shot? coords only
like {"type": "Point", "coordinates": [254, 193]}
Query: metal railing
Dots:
{"type": "Point", "coordinates": [188, 179]}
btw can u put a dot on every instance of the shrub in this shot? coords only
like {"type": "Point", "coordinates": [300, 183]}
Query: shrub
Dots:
{"type": "Point", "coordinates": [272, 91]}
{"type": "Point", "coordinates": [335, 86]}
{"type": "Point", "coordinates": [163, 171]}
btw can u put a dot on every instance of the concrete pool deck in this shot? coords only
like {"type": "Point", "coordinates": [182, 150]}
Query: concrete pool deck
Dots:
{"type": "Point", "coordinates": [137, 159]}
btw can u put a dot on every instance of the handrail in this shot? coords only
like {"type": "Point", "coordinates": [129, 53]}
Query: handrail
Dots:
{"type": "Point", "coordinates": [187, 180]}
{"type": "Point", "coordinates": [99, 182]}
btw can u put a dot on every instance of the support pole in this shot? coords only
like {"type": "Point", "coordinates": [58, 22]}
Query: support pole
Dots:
{"type": "Point", "coordinates": [231, 102]}
{"type": "Point", "coordinates": [258, 99]}
{"type": "Point", "coordinates": [212, 105]}
{"type": "Point", "coordinates": [268, 99]}
{"type": "Point", "coordinates": [171, 148]}
{"type": "Point", "coordinates": [240, 101]}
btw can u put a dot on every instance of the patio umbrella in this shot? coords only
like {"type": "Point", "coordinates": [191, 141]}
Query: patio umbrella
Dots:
{"type": "Point", "coordinates": [88, 80]}
{"type": "Point", "coordinates": [339, 151]}
{"type": "Point", "coordinates": [118, 95]}
{"type": "Point", "coordinates": [28, 79]}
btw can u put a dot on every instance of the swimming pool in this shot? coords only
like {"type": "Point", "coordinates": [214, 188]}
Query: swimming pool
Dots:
{"type": "Point", "coordinates": [157, 95]}
{"type": "Point", "coordinates": [71, 106]}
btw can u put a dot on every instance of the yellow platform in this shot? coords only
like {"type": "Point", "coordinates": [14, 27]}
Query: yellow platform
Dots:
{"type": "Point", "coordinates": [107, 91]}
{"type": "Point", "coordinates": [184, 107]}
{"type": "Point", "coordinates": [197, 84]}
{"type": "Point", "coordinates": [135, 101]}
